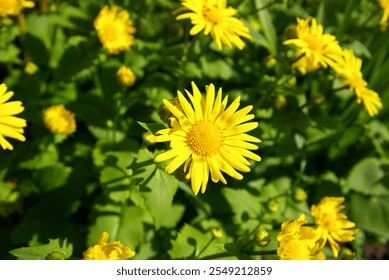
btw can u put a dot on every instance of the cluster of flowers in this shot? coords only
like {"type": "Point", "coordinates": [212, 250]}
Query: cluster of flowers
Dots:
{"type": "Point", "coordinates": [317, 49]}
{"type": "Point", "coordinates": [298, 241]}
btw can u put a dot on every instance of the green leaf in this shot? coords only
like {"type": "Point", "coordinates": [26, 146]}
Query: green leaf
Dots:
{"type": "Point", "coordinates": [189, 243]}
{"type": "Point", "coordinates": [42, 251]}
{"type": "Point", "coordinates": [267, 26]}
{"type": "Point", "coordinates": [152, 127]}
{"type": "Point", "coordinates": [53, 177]}
{"type": "Point", "coordinates": [371, 213]}
{"type": "Point", "coordinates": [154, 186]}
{"type": "Point", "coordinates": [367, 177]}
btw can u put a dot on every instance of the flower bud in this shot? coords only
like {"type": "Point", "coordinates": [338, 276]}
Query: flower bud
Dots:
{"type": "Point", "coordinates": [164, 112]}
{"type": "Point", "coordinates": [300, 194]}
{"type": "Point", "coordinates": [261, 237]}
{"type": "Point", "coordinates": [272, 205]}
{"type": "Point", "coordinates": [55, 255]}
{"type": "Point", "coordinates": [217, 233]}
{"type": "Point", "coordinates": [346, 254]}
{"type": "Point", "coordinates": [280, 102]}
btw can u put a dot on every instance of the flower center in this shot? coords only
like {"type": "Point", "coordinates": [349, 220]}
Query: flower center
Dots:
{"type": "Point", "coordinates": [110, 31]}
{"type": "Point", "coordinates": [204, 138]}
{"type": "Point", "coordinates": [314, 43]}
{"type": "Point", "coordinates": [212, 14]}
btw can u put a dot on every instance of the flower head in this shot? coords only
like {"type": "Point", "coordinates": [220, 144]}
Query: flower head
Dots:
{"type": "Point", "coordinates": [114, 29]}
{"type": "Point", "coordinates": [10, 126]}
{"type": "Point", "coordinates": [112, 250]}
{"type": "Point", "coordinates": [385, 6]}
{"type": "Point", "coordinates": [206, 137]}
{"type": "Point", "coordinates": [349, 68]}
{"type": "Point", "coordinates": [298, 242]}
{"type": "Point", "coordinates": [333, 225]}
{"type": "Point", "coordinates": [59, 120]}
{"type": "Point", "coordinates": [125, 76]}
{"type": "Point", "coordinates": [316, 47]}
{"type": "Point", "coordinates": [14, 7]}
{"type": "Point", "coordinates": [215, 18]}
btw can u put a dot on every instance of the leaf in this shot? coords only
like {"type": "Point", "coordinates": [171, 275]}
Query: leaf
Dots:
{"type": "Point", "coordinates": [53, 177]}
{"type": "Point", "coordinates": [152, 127]}
{"type": "Point", "coordinates": [42, 251]}
{"type": "Point", "coordinates": [367, 177]}
{"type": "Point", "coordinates": [154, 186]}
{"type": "Point", "coordinates": [267, 26]}
{"type": "Point", "coordinates": [370, 213]}
{"type": "Point", "coordinates": [188, 244]}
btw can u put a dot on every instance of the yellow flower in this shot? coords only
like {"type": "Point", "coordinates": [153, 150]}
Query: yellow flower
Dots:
{"type": "Point", "coordinates": [59, 120]}
{"type": "Point", "coordinates": [112, 250]}
{"type": "Point", "coordinates": [385, 6]}
{"type": "Point", "coordinates": [125, 76]}
{"type": "Point", "coordinates": [316, 47]}
{"type": "Point", "coordinates": [10, 126]}
{"type": "Point", "coordinates": [208, 137]}
{"type": "Point", "coordinates": [215, 18]}
{"type": "Point", "coordinates": [14, 7]}
{"type": "Point", "coordinates": [298, 242]}
{"type": "Point", "coordinates": [114, 29]}
{"type": "Point", "coordinates": [332, 225]}
{"type": "Point", "coordinates": [349, 68]}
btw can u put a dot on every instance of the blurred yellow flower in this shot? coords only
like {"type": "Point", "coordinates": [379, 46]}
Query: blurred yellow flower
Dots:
{"type": "Point", "coordinates": [215, 18]}
{"type": "Point", "coordinates": [14, 7]}
{"type": "Point", "coordinates": [10, 126]}
{"type": "Point", "coordinates": [206, 137]}
{"type": "Point", "coordinates": [125, 76]}
{"type": "Point", "coordinates": [313, 45]}
{"type": "Point", "coordinates": [349, 68]}
{"type": "Point", "coordinates": [112, 250]}
{"type": "Point", "coordinates": [59, 120]}
{"type": "Point", "coordinates": [30, 68]}
{"type": "Point", "coordinates": [385, 6]}
{"type": "Point", "coordinates": [332, 226]}
{"type": "Point", "coordinates": [298, 242]}
{"type": "Point", "coordinates": [114, 29]}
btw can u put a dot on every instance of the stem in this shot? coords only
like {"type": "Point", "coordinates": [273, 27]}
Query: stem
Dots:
{"type": "Point", "coordinates": [187, 48]}
{"type": "Point", "coordinates": [226, 254]}
{"type": "Point", "coordinates": [205, 247]}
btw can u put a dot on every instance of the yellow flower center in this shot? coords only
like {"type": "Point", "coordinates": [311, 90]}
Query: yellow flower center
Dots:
{"type": "Point", "coordinates": [314, 43]}
{"type": "Point", "coordinates": [204, 138]}
{"type": "Point", "coordinates": [111, 32]}
{"type": "Point", "coordinates": [328, 221]}
{"type": "Point", "coordinates": [212, 14]}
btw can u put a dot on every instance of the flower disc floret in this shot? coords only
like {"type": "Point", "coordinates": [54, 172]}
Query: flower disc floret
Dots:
{"type": "Point", "coordinates": [208, 138]}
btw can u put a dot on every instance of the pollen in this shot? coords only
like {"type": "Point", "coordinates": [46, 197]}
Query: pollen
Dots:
{"type": "Point", "coordinates": [204, 138]}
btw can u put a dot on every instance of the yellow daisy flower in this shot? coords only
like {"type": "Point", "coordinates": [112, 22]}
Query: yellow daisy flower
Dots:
{"type": "Point", "coordinates": [349, 68]}
{"type": "Point", "coordinates": [215, 18]}
{"type": "Point", "coordinates": [10, 126]}
{"type": "Point", "coordinates": [385, 6]}
{"type": "Point", "coordinates": [298, 242]}
{"type": "Point", "coordinates": [332, 225]}
{"type": "Point", "coordinates": [14, 7]}
{"type": "Point", "coordinates": [125, 76]}
{"type": "Point", "coordinates": [114, 29]}
{"type": "Point", "coordinates": [112, 250]}
{"type": "Point", "coordinates": [318, 48]}
{"type": "Point", "coordinates": [206, 137]}
{"type": "Point", "coordinates": [59, 120]}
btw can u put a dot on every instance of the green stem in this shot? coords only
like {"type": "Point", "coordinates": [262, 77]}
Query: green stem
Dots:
{"type": "Point", "coordinates": [205, 247]}
{"type": "Point", "coordinates": [226, 254]}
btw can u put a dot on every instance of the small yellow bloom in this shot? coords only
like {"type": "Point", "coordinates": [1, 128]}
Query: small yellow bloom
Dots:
{"type": "Point", "coordinates": [349, 68]}
{"type": "Point", "coordinates": [125, 76]}
{"type": "Point", "coordinates": [384, 19]}
{"type": "Point", "coordinates": [261, 237]}
{"type": "Point", "coordinates": [217, 233]}
{"type": "Point", "coordinates": [31, 68]}
{"type": "Point", "coordinates": [112, 250]}
{"type": "Point", "coordinates": [215, 18]}
{"type": "Point", "coordinates": [298, 242]}
{"type": "Point", "coordinates": [316, 48]}
{"type": "Point", "coordinates": [14, 7]}
{"type": "Point", "coordinates": [332, 225]}
{"type": "Point", "coordinates": [114, 29]}
{"type": "Point", "coordinates": [59, 120]}
{"type": "Point", "coordinates": [10, 126]}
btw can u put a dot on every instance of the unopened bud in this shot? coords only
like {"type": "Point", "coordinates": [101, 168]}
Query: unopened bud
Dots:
{"type": "Point", "coordinates": [280, 102]}
{"type": "Point", "coordinates": [318, 99]}
{"type": "Point", "coordinates": [290, 31]}
{"type": "Point", "coordinates": [261, 237]}
{"type": "Point", "coordinates": [270, 62]}
{"type": "Point", "coordinates": [346, 254]}
{"type": "Point", "coordinates": [272, 205]}
{"type": "Point", "coordinates": [300, 194]}
{"type": "Point", "coordinates": [164, 112]}
{"type": "Point", "coordinates": [217, 233]}
{"type": "Point", "coordinates": [55, 255]}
